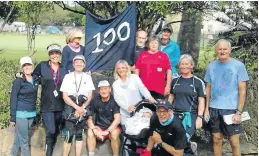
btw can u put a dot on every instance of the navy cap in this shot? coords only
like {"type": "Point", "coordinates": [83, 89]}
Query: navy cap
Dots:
{"type": "Point", "coordinates": [164, 103]}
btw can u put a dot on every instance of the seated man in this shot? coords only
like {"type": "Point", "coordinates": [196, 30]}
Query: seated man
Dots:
{"type": "Point", "coordinates": [107, 120]}
{"type": "Point", "coordinates": [167, 134]}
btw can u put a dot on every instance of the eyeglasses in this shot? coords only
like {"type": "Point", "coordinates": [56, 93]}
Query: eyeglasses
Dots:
{"type": "Point", "coordinates": [160, 112]}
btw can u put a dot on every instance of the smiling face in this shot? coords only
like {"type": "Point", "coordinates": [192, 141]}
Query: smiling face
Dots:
{"type": "Point", "coordinates": [153, 46]}
{"type": "Point", "coordinates": [27, 69]}
{"type": "Point", "coordinates": [223, 51]}
{"type": "Point", "coordinates": [76, 41]}
{"type": "Point", "coordinates": [185, 66]}
{"type": "Point", "coordinates": [79, 65]}
{"type": "Point", "coordinates": [122, 70]}
{"type": "Point", "coordinates": [54, 57]}
{"type": "Point", "coordinates": [163, 114]}
{"type": "Point", "coordinates": [105, 92]}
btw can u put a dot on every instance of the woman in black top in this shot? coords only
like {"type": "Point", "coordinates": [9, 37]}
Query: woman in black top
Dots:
{"type": "Point", "coordinates": [73, 48]}
{"type": "Point", "coordinates": [188, 96]}
{"type": "Point", "coordinates": [51, 74]}
{"type": "Point", "coordinates": [23, 106]}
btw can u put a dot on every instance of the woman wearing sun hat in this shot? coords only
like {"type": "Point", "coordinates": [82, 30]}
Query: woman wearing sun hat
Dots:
{"type": "Point", "coordinates": [23, 106]}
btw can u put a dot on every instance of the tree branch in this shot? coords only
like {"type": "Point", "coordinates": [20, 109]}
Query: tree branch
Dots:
{"type": "Point", "coordinates": [63, 6]}
{"type": "Point", "coordinates": [178, 21]}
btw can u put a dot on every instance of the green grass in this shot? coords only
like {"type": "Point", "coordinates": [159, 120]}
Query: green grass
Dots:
{"type": "Point", "coordinates": [14, 45]}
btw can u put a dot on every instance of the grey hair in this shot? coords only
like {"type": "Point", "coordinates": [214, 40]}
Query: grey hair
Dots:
{"type": "Point", "coordinates": [188, 57]}
{"type": "Point", "coordinates": [223, 40]}
{"type": "Point", "coordinates": [115, 74]}
{"type": "Point", "coordinates": [153, 38]}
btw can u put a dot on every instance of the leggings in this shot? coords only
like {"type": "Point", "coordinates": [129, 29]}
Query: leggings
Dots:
{"type": "Point", "coordinates": [52, 122]}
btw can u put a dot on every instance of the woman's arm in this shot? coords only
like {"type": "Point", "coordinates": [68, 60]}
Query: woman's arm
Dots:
{"type": "Point", "coordinates": [14, 98]}
{"type": "Point", "coordinates": [64, 59]}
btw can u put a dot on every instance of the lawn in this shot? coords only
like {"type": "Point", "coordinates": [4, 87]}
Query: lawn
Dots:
{"type": "Point", "coordinates": [15, 46]}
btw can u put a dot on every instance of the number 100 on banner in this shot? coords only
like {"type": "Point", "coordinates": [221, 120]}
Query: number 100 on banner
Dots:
{"type": "Point", "coordinates": [113, 34]}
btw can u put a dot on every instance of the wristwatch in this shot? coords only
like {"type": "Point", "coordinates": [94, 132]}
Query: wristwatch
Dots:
{"type": "Point", "coordinates": [238, 112]}
{"type": "Point", "coordinates": [200, 116]}
{"type": "Point", "coordinates": [160, 144]}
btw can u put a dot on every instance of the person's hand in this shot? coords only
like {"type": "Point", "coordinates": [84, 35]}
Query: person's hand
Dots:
{"type": "Point", "coordinates": [198, 122]}
{"type": "Point", "coordinates": [132, 108]}
{"type": "Point", "coordinates": [167, 90]}
{"type": "Point", "coordinates": [104, 133]}
{"type": "Point", "coordinates": [152, 100]}
{"type": "Point", "coordinates": [83, 113]}
{"type": "Point", "coordinates": [80, 110]}
{"type": "Point", "coordinates": [95, 131]}
{"type": "Point", "coordinates": [156, 137]}
{"type": "Point", "coordinates": [12, 123]}
{"type": "Point", "coordinates": [77, 114]}
{"type": "Point", "coordinates": [236, 118]}
{"type": "Point", "coordinates": [206, 115]}
{"type": "Point", "coordinates": [20, 75]}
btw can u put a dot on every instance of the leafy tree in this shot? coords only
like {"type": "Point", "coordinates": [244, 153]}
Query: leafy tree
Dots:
{"type": "Point", "coordinates": [243, 34]}
{"type": "Point", "coordinates": [31, 13]}
{"type": "Point", "coordinates": [7, 12]}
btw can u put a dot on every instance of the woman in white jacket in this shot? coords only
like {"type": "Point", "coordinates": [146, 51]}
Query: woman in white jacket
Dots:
{"type": "Point", "coordinates": [127, 90]}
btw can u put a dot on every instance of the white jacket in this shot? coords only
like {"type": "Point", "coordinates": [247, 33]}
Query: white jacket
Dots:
{"type": "Point", "coordinates": [128, 93]}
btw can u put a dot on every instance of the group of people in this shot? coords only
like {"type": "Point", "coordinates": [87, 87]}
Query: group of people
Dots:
{"type": "Point", "coordinates": [182, 100]}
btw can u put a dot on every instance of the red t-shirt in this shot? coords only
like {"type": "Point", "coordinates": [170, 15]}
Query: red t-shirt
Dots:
{"type": "Point", "coordinates": [153, 68]}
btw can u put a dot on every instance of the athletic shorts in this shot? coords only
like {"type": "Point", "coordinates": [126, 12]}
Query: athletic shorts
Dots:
{"type": "Point", "coordinates": [107, 136]}
{"type": "Point", "coordinates": [217, 123]}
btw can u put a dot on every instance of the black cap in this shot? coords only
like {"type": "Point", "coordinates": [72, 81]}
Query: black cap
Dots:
{"type": "Point", "coordinates": [164, 103]}
{"type": "Point", "coordinates": [167, 28]}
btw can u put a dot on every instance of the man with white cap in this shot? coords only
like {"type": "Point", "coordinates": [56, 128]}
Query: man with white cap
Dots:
{"type": "Point", "coordinates": [107, 120]}
{"type": "Point", "coordinates": [75, 85]}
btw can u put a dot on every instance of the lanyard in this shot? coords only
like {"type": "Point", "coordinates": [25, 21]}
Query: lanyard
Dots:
{"type": "Point", "coordinates": [77, 89]}
{"type": "Point", "coordinates": [56, 81]}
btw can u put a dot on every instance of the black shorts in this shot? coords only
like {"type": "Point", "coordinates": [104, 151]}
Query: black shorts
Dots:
{"type": "Point", "coordinates": [74, 129]}
{"type": "Point", "coordinates": [217, 123]}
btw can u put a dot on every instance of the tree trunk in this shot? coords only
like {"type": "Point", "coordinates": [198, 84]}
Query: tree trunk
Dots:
{"type": "Point", "coordinates": [190, 34]}
{"type": "Point", "coordinates": [6, 19]}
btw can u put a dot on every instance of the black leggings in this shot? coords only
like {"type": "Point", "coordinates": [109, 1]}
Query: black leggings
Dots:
{"type": "Point", "coordinates": [52, 121]}
{"type": "Point", "coordinates": [73, 130]}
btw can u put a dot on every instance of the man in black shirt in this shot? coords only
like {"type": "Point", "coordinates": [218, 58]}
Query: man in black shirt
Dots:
{"type": "Point", "coordinates": [167, 135]}
{"type": "Point", "coordinates": [141, 40]}
{"type": "Point", "coordinates": [107, 120]}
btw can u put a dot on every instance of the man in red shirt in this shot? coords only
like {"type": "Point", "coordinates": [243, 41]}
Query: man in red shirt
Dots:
{"type": "Point", "coordinates": [154, 69]}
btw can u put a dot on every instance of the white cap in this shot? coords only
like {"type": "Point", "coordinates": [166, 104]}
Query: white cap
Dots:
{"type": "Point", "coordinates": [79, 57]}
{"type": "Point", "coordinates": [25, 60]}
{"type": "Point", "coordinates": [54, 47]}
{"type": "Point", "coordinates": [103, 83]}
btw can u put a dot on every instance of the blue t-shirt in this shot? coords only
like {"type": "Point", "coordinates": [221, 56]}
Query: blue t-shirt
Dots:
{"type": "Point", "coordinates": [224, 79]}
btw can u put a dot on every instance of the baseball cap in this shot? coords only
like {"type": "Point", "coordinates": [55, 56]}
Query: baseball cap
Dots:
{"type": "Point", "coordinates": [79, 57]}
{"type": "Point", "coordinates": [167, 28]}
{"type": "Point", "coordinates": [25, 60]}
{"type": "Point", "coordinates": [54, 47]}
{"type": "Point", "coordinates": [164, 103]}
{"type": "Point", "coordinates": [103, 83]}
